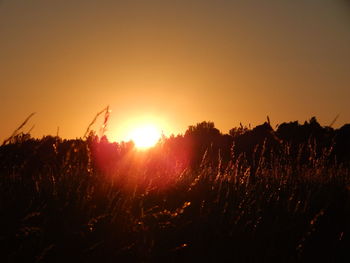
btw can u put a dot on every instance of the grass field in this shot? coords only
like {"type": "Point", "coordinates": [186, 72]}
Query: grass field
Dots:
{"type": "Point", "coordinates": [59, 204]}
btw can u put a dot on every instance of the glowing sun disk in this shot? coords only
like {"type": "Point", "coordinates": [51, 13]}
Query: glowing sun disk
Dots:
{"type": "Point", "coordinates": [145, 136]}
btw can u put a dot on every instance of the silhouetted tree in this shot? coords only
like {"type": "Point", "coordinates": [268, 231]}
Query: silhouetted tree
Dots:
{"type": "Point", "coordinates": [342, 144]}
{"type": "Point", "coordinates": [256, 144]}
{"type": "Point", "coordinates": [203, 138]}
{"type": "Point", "coordinates": [238, 131]}
{"type": "Point", "coordinates": [301, 137]}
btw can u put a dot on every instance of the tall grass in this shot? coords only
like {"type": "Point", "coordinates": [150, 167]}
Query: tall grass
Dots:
{"type": "Point", "coordinates": [57, 205]}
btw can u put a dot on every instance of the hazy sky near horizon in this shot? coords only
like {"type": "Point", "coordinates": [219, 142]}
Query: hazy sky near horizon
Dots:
{"type": "Point", "coordinates": [175, 63]}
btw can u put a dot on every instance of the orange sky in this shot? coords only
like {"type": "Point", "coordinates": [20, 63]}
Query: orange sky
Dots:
{"type": "Point", "coordinates": [174, 63]}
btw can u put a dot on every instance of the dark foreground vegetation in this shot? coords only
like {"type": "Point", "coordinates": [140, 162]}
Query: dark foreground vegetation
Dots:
{"type": "Point", "coordinates": [254, 195]}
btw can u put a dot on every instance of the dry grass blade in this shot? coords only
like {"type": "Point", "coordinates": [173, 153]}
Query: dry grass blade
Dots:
{"type": "Point", "coordinates": [105, 110]}
{"type": "Point", "coordinates": [31, 128]}
{"type": "Point", "coordinates": [334, 120]}
{"type": "Point", "coordinates": [19, 128]}
{"type": "Point", "coordinates": [105, 121]}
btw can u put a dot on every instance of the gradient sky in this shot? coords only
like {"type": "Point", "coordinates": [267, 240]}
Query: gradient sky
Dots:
{"type": "Point", "coordinates": [175, 63]}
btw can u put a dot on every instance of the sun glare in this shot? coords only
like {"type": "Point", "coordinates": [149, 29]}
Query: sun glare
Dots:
{"type": "Point", "coordinates": [145, 136]}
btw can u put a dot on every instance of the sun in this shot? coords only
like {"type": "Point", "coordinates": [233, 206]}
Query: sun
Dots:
{"type": "Point", "coordinates": [145, 136]}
